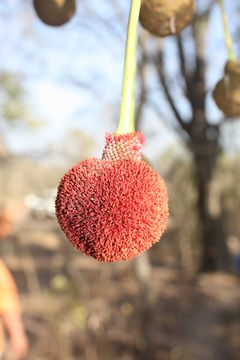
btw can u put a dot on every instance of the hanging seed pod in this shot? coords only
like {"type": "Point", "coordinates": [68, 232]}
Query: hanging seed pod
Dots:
{"type": "Point", "coordinates": [55, 12]}
{"type": "Point", "coordinates": [227, 91]}
{"type": "Point", "coordinates": [166, 17]}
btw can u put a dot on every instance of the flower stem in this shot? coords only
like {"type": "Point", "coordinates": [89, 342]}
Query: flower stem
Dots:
{"type": "Point", "coordinates": [127, 111]}
{"type": "Point", "coordinates": [227, 35]}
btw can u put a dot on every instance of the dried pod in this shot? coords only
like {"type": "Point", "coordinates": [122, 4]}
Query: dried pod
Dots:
{"type": "Point", "coordinates": [115, 208]}
{"type": "Point", "coordinates": [166, 17]}
{"type": "Point", "coordinates": [55, 12]}
{"type": "Point", "coordinates": [227, 91]}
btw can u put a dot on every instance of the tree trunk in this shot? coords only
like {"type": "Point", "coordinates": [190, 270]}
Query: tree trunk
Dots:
{"type": "Point", "coordinates": [212, 235]}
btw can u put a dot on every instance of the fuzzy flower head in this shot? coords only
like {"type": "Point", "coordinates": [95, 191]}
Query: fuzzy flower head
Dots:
{"type": "Point", "coordinates": [116, 207]}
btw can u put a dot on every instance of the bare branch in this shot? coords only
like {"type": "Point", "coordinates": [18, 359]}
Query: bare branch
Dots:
{"type": "Point", "coordinates": [161, 74]}
{"type": "Point", "coordinates": [184, 71]}
{"type": "Point", "coordinates": [171, 127]}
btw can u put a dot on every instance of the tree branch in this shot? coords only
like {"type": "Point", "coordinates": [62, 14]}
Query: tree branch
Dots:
{"type": "Point", "coordinates": [184, 71]}
{"type": "Point", "coordinates": [161, 74]}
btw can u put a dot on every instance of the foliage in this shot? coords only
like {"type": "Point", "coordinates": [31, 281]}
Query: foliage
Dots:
{"type": "Point", "coordinates": [13, 102]}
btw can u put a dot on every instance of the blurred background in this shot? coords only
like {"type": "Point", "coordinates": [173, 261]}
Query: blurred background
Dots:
{"type": "Point", "coordinates": [60, 92]}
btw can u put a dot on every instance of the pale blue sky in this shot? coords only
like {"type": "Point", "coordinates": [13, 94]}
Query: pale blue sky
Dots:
{"type": "Point", "coordinates": [54, 60]}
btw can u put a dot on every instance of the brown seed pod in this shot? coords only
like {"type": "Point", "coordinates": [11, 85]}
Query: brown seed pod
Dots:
{"type": "Point", "coordinates": [166, 17]}
{"type": "Point", "coordinates": [55, 12]}
{"type": "Point", "coordinates": [227, 91]}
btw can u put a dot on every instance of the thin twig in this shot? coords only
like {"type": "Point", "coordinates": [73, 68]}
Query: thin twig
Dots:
{"type": "Point", "coordinates": [161, 74]}
{"type": "Point", "coordinates": [184, 71]}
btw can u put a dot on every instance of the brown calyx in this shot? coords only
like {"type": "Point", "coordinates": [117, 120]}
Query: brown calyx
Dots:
{"type": "Point", "coordinates": [164, 18]}
{"type": "Point", "coordinates": [55, 12]}
{"type": "Point", "coordinates": [227, 91]}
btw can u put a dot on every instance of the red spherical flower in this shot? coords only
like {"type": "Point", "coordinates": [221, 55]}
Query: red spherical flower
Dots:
{"type": "Point", "coordinates": [115, 208]}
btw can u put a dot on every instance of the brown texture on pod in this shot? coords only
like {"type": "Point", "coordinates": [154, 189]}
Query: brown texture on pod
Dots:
{"type": "Point", "coordinates": [227, 91]}
{"type": "Point", "coordinates": [55, 12]}
{"type": "Point", "coordinates": [166, 17]}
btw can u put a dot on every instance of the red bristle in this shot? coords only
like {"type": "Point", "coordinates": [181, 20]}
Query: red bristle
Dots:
{"type": "Point", "coordinates": [112, 210]}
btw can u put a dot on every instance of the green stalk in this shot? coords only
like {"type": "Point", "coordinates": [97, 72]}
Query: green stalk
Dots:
{"type": "Point", "coordinates": [127, 110]}
{"type": "Point", "coordinates": [227, 35]}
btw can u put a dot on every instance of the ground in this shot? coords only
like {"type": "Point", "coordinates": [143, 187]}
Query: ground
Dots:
{"type": "Point", "coordinates": [77, 308]}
